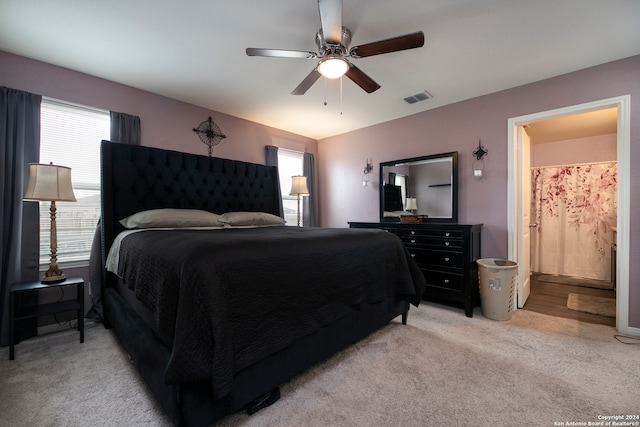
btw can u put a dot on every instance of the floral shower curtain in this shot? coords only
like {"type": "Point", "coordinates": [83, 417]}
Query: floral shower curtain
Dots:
{"type": "Point", "coordinates": [574, 207]}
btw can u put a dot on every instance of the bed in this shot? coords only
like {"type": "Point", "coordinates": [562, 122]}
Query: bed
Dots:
{"type": "Point", "coordinates": [217, 313]}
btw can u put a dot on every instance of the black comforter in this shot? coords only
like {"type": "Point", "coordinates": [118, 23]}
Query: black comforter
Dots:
{"type": "Point", "coordinates": [224, 299]}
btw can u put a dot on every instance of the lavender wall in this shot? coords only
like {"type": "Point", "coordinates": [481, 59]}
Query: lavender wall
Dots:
{"type": "Point", "coordinates": [165, 122]}
{"type": "Point", "coordinates": [601, 148]}
{"type": "Point", "coordinates": [458, 127]}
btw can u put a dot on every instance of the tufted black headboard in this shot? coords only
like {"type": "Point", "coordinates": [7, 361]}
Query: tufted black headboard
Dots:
{"type": "Point", "coordinates": [137, 178]}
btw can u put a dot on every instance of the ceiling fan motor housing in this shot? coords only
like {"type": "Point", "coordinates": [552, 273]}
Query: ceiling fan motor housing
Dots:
{"type": "Point", "coordinates": [325, 48]}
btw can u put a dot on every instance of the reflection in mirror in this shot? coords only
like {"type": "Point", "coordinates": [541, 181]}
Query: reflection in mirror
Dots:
{"type": "Point", "coordinates": [426, 186]}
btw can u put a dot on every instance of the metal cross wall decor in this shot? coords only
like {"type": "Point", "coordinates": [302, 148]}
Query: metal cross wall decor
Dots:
{"type": "Point", "coordinates": [209, 133]}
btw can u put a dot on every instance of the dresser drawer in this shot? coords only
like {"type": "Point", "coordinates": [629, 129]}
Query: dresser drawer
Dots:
{"type": "Point", "coordinates": [437, 259]}
{"type": "Point", "coordinates": [432, 242]}
{"type": "Point", "coordinates": [391, 228]}
{"type": "Point", "coordinates": [444, 280]}
{"type": "Point", "coordinates": [437, 233]}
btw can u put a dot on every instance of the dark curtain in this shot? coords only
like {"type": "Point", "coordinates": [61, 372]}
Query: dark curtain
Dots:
{"type": "Point", "coordinates": [125, 129]}
{"type": "Point", "coordinates": [392, 178]}
{"type": "Point", "coordinates": [20, 233]}
{"type": "Point", "coordinates": [407, 192]}
{"type": "Point", "coordinates": [310, 203]}
{"type": "Point", "coordinates": [271, 159]}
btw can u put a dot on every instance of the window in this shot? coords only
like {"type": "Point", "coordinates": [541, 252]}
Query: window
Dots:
{"type": "Point", "coordinates": [70, 136]}
{"type": "Point", "coordinates": [289, 164]}
{"type": "Point", "coordinates": [401, 181]}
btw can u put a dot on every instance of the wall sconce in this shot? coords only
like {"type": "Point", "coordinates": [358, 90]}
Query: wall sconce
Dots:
{"type": "Point", "coordinates": [478, 164]}
{"type": "Point", "coordinates": [367, 171]}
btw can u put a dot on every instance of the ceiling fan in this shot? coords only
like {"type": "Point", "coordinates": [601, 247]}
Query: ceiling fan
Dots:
{"type": "Point", "coordinates": [333, 50]}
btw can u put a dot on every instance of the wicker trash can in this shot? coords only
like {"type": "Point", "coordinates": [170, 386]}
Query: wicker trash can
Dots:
{"type": "Point", "coordinates": [497, 287]}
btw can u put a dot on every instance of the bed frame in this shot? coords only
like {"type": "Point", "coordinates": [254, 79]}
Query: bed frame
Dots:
{"type": "Point", "coordinates": [136, 178]}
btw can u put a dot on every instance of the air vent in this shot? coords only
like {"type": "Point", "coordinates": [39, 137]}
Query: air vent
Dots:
{"type": "Point", "coordinates": [421, 96]}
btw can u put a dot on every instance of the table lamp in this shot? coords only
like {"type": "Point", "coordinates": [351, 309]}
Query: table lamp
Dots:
{"type": "Point", "coordinates": [50, 183]}
{"type": "Point", "coordinates": [299, 188]}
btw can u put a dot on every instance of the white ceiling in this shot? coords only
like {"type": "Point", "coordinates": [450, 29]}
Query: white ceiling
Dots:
{"type": "Point", "coordinates": [194, 50]}
{"type": "Point", "coordinates": [583, 125]}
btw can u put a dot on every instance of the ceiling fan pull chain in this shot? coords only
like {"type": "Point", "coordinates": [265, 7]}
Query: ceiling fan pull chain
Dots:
{"type": "Point", "coordinates": [325, 91]}
{"type": "Point", "coordinates": [340, 95]}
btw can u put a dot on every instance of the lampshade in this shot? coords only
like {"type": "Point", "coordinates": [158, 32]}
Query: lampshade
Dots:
{"type": "Point", "coordinates": [49, 182]}
{"type": "Point", "coordinates": [412, 203]}
{"type": "Point", "coordinates": [333, 66]}
{"type": "Point", "coordinates": [299, 185]}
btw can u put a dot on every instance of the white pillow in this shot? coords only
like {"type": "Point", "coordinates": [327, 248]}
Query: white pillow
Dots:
{"type": "Point", "coordinates": [172, 218]}
{"type": "Point", "coordinates": [250, 219]}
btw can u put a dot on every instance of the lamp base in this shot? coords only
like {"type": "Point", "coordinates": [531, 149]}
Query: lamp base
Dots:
{"type": "Point", "coordinates": [53, 275]}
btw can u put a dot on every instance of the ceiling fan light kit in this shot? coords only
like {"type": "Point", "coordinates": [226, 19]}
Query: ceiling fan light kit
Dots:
{"type": "Point", "coordinates": [333, 67]}
{"type": "Point", "coordinates": [333, 50]}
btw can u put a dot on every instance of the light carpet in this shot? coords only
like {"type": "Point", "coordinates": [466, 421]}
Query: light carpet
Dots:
{"type": "Point", "coordinates": [592, 304]}
{"type": "Point", "coordinates": [575, 281]}
{"type": "Point", "coordinates": [441, 369]}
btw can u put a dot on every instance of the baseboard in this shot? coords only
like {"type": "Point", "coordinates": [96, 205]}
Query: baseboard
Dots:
{"type": "Point", "coordinates": [59, 327]}
{"type": "Point", "coordinates": [55, 327]}
{"type": "Point", "coordinates": [630, 330]}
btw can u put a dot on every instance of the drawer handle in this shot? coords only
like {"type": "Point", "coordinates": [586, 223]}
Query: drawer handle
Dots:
{"type": "Point", "coordinates": [447, 259]}
{"type": "Point", "coordinates": [446, 243]}
{"type": "Point", "coordinates": [446, 280]}
{"type": "Point", "coordinates": [413, 232]}
{"type": "Point", "coordinates": [447, 234]}
{"type": "Point", "coordinates": [413, 240]}
{"type": "Point", "coordinates": [413, 255]}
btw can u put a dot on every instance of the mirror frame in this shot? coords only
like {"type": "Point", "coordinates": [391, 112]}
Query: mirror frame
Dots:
{"type": "Point", "coordinates": [454, 184]}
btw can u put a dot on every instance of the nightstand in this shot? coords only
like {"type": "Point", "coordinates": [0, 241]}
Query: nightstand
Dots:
{"type": "Point", "coordinates": [19, 313]}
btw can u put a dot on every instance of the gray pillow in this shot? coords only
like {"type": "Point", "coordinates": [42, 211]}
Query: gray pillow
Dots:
{"type": "Point", "coordinates": [172, 218]}
{"type": "Point", "coordinates": [236, 219]}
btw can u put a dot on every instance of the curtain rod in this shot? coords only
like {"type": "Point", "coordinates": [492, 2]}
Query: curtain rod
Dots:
{"type": "Point", "coordinates": [574, 164]}
{"type": "Point", "coordinates": [67, 104]}
{"type": "Point", "coordinates": [291, 151]}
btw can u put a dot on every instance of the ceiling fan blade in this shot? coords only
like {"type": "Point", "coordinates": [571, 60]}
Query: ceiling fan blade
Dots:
{"type": "Point", "coordinates": [280, 53]}
{"type": "Point", "coordinates": [361, 79]}
{"type": "Point", "coordinates": [408, 41]}
{"type": "Point", "coordinates": [307, 83]}
{"type": "Point", "coordinates": [331, 20]}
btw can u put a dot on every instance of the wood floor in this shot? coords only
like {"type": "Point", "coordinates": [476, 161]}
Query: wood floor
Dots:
{"type": "Point", "coordinates": [551, 299]}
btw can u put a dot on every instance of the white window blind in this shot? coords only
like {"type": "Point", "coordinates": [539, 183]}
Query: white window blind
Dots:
{"type": "Point", "coordinates": [70, 135]}
{"type": "Point", "coordinates": [289, 164]}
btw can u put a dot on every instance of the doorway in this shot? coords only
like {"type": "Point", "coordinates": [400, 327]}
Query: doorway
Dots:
{"type": "Point", "coordinates": [519, 191]}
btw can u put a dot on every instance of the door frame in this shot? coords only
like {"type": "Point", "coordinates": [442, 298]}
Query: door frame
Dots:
{"type": "Point", "coordinates": [524, 236]}
{"type": "Point", "coordinates": [514, 192]}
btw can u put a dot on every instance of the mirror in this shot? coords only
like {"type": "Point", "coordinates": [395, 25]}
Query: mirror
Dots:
{"type": "Point", "coordinates": [426, 186]}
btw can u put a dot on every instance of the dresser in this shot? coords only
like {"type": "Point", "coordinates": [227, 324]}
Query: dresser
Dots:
{"type": "Point", "coordinates": [446, 254]}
